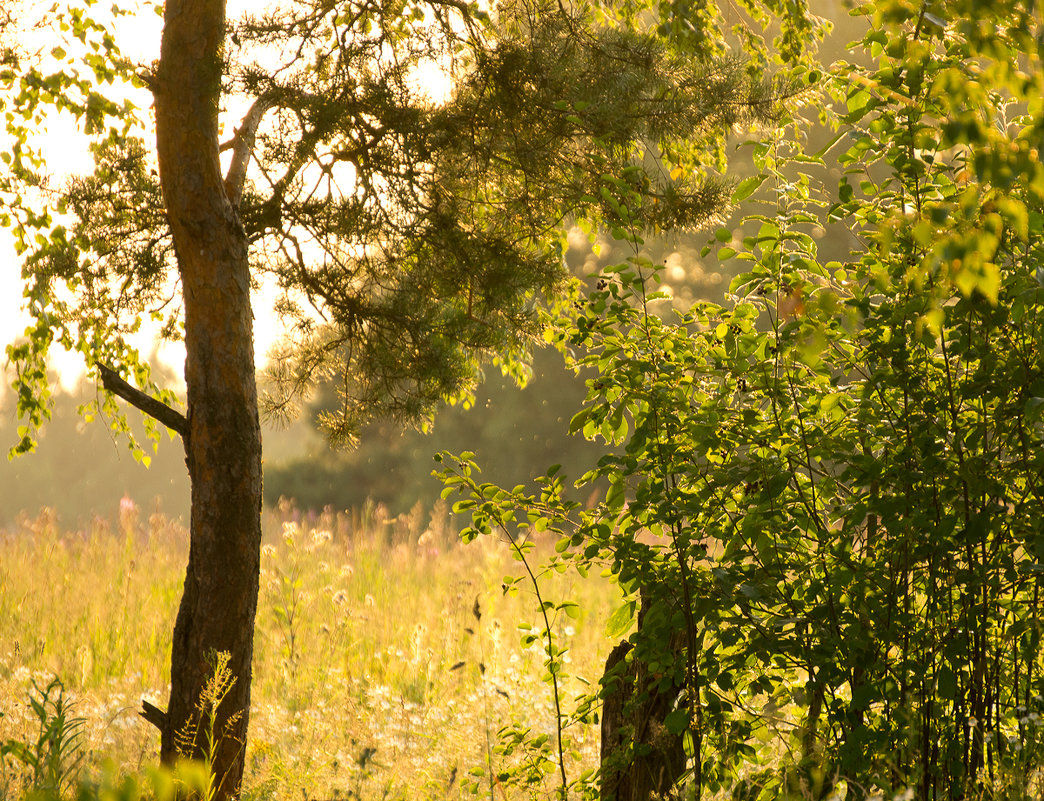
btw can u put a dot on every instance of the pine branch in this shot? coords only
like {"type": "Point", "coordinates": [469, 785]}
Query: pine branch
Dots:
{"type": "Point", "coordinates": [242, 146]}
{"type": "Point", "coordinates": [158, 410]}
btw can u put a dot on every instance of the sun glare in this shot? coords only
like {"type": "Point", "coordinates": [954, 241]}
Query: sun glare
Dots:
{"type": "Point", "coordinates": [67, 154]}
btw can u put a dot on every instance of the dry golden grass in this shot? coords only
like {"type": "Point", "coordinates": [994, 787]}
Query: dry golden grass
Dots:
{"type": "Point", "coordinates": [373, 676]}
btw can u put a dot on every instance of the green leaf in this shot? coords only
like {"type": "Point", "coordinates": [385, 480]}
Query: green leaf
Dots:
{"type": "Point", "coordinates": [857, 103]}
{"type": "Point", "coordinates": [747, 187]}
{"type": "Point", "coordinates": [677, 720]}
{"type": "Point", "coordinates": [1033, 409]}
{"type": "Point", "coordinates": [946, 682]}
{"type": "Point", "coordinates": [620, 620]}
{"type": "Point", "coordinates": [572, 609]}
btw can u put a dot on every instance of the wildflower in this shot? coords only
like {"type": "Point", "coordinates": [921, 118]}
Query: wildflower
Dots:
{"type": "Point", "coordinates": [321, 537]}
{"type": "Point", "coordinates": [290, 532]}
{"type": "Point", "coordinates": [370, 601]}
{"type": "Point", "coordinates": [128, 513]}
{"type": "Point", "coordinates": [347, 571]}
{"type": "Point", "coordinates": [428, 543]}
{"type": "Point", "coordinates": [268, 551]}
{"type": "Point", "coordinates": [340, 598]}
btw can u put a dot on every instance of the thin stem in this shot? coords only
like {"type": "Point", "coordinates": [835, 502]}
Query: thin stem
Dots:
{"type": "Point", "coordinates": [552, 669]}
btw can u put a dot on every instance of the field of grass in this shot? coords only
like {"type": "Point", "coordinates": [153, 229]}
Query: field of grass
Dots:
{"type": "Point", "coordinates": [386, 658]}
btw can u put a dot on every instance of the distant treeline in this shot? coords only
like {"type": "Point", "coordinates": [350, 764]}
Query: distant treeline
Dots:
{"type": "Point", "coordinates": [82, 469]}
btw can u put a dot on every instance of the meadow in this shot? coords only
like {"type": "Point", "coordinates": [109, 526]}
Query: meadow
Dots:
{"type": "Point", "coordinates": [387, 656]}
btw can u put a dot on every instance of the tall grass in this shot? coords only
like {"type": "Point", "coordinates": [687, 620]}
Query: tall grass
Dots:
{"type": "Point", "coordinates": [386, 655]}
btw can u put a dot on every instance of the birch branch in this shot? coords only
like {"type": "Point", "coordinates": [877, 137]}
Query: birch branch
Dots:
{"type": "Point", "coordinates": [158, 410]}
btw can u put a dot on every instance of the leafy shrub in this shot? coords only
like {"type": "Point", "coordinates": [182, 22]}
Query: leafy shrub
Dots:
{"type": "Point", "coordinates": [825, 495]}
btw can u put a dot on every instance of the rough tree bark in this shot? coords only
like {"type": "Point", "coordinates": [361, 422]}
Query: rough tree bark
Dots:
{"type": "Point", "coordinates": [640, 759]}
{"type": "Point", "coordinates": [223, 442]}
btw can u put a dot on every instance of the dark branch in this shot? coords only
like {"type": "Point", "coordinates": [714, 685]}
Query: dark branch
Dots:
{"type": "Point", "coordinates": [171, 418]}
{"type": "Point", "coordinates": [153, 714]}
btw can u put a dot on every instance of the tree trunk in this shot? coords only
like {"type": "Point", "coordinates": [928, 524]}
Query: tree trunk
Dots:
{"type": "Point", "coordinates": [640, 759]}
{"type": "Point", "coordinates": [223, 445]}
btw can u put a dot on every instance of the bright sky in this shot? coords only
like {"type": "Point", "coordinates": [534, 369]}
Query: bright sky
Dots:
{"type": "Point", "coordinates": [138, 38]}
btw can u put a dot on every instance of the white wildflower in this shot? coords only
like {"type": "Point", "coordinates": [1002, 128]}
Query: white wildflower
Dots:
{"type": "Point", "coordinates": [290, 532]}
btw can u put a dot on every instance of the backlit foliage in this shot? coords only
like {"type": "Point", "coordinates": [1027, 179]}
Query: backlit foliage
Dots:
{"type": "Point", "coordinates": [832, 483]}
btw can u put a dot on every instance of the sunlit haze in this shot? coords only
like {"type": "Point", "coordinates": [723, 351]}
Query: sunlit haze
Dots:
{"type": "Point", "coordinates": [67, 154]}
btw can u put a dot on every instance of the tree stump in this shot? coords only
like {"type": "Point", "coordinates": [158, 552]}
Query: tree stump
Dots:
{"type": "Point", "coordinates": [641, 760]}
